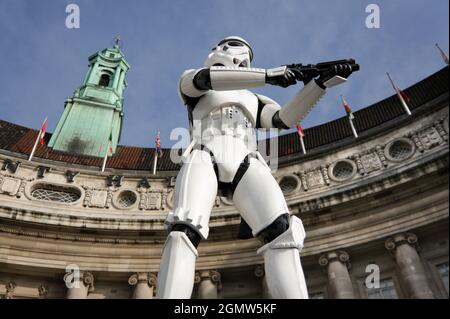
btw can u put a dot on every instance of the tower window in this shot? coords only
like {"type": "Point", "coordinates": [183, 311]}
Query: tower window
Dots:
{"type": "Point", "coordinates": [104, 80]}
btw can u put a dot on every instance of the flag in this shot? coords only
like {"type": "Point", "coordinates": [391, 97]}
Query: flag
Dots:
{"type": "Point", "coordinates": [300, 130]}
{"type": "Point", "coordinates": [108, 151]}
{"type": "Point", "coordinates": [42, 131]}
{"type": "Point", "coordinates": [350, 116]}
{"type": "Point", "coordinates": [347, 108]}
{"type": "Point", "coordinates": [443, 54]}
{"type": "Point", "coordinates": [403, 94]}
{"type": "Point", "coordinates": [302, 135]}
{"type": "Point", "coordinates": [158, 144]}
{"type": "Point", "coordinates": [403, 97]}
{"type": "Point", "coordinates": [110, 144]}
{"type": "Point", "coordinates": [39, 138]}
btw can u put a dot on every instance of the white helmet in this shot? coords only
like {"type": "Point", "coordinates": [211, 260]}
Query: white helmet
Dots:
{"type": "Point", "coordinates": [231, 51]}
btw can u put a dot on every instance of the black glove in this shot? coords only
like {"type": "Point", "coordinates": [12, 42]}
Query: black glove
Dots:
{"type": "Point", "coordinates": [342, 70]}
{"type": "Point", "coordinates": [284, 80]}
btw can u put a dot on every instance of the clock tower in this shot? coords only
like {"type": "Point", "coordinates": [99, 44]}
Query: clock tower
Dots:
{"type": "Point", "coordinates": [92, 117]}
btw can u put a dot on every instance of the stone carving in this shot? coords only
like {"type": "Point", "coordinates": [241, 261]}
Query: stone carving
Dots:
{"type": "Point", "coordinates": [114, 180]}
{"type": "Point", "coordinates": [98, 197]}
{"type": "Point", "coordinates": [43, 291]}
{"type": "Point", "coordinates": [12, 185]}
{"type": "Point", "coordinates": [415, 137]}
{"type": "Point", "coordinates": [149, 278]}
{"type": "Point", "coordinates": [399, 239]}
{"type": "Point", "coordinates": [324, 170]}
{"type": "Point", "coordinates": [10, 166]}
{"type": "Point", "coordinates": [442, 131]}
{"type": "Point", "coordinates": [371, 162]}
{"type": "Point", "coordinates": [381, 156]}
{"type": "Point", "coordinates": [41, 170]}
{"type": "Point", "coordinates": [70, 175]}
{"type": "Point", "coordinates": [303, 180]}
{"type": "Point", "coordinates": [10, 287]}
{"type": "Point", "coordinates": [340, 255]}
{"type": "Point", "coordinates": [315, 179]}
{"type": "Point", "coordinates": [152, 199]}
{"type": "Point", "coordinates": [9, 185]}
{"type": "Point", "coordinates": [359, 164]}
{"type": "Point", "coordinates": [144, 183]}
{"type": "Point", "coordinates": [430, 138]}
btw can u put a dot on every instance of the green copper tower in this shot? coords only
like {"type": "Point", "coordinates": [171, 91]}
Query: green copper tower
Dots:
{"type": "Point", "coordinates": [94, 114]}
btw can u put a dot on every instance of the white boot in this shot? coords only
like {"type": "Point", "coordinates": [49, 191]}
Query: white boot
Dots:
{"type": "Point", "coordinates": [284, 273]}
{"type": "Point", "coordinates": [177, 270]}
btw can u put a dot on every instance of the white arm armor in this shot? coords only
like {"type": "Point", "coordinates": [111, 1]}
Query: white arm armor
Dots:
{"type": "Point", "coordinates": [270, 108]}
{"type": "Point", "coordinates": [222, 79]}
{"type": "Point", "coordinates": [228, 78]}
{"type": "Point", "coordinates": [186, 85]}
{"type": "Point", "coordinates": [304, 101]}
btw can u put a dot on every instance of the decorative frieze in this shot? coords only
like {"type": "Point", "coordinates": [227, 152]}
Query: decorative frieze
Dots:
{"type": "Point", "coordinates": [430, 138]}
{"type": "Point", "coordinates": [12, 185]}
{"type": "Point", "coordinates": [359, 164]}
{"type": "Point", "coordinates": [440, 128]}
{"type": "Point", "coordinates": [380, 152]}
{"type": "Point", "coordinates": [314, 179]}
{"type": "Point", "coordinates": [371, 162]}
{"type": "Point", "coordinates": [153, 199]}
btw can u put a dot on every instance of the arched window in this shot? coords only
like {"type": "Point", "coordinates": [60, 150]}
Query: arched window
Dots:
{"type": "Point", "coordinates": [104, 80]}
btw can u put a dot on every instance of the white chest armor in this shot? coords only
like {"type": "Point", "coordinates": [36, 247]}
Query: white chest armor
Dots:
{"type": "Point", "coordinates": [231, 113]}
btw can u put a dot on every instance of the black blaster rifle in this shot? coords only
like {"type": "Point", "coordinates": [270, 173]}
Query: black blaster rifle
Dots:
{"type": "Point", "coordinates": [306, 72]}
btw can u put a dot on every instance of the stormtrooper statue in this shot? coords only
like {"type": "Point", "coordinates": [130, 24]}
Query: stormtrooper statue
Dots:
{"type": "Point", "coordinates": [224, 116]}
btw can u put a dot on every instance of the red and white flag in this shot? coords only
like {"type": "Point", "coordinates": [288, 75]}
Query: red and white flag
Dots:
{"type": "Point", "coordinates": [302, 135]}
{"type": "Point", "coordinates": [158, 151]}
{"type": "Point", "coordinates": [43, 130]}
{"type": "Point", "coordinates": [403, 97]}
{"type": "Point", "coordinates": [40, 138]}
{"type": "Point", "coordinates": [350, 115]}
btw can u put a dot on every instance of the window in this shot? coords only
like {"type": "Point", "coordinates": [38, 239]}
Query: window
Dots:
{"type": "Point", "coordinates": [386, 290]}
{"type": "Point", "coordinates": [54, 193]}
{"type": "Point", "coordinates": [104, 80]}
{"type": "Point", "coordinates": [443, 271]}
{"type": "Point", "coordinates": [288, 184]}
{"type": "Point", "coordinates": [126, 199]}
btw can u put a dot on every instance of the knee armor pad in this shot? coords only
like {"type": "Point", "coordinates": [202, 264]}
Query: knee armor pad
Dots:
{"type": "Point", "coordinates": [279, 226]}
{"type": "Point", "coordinates": [193, 236]}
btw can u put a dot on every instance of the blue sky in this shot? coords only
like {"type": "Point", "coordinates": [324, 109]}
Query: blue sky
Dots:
{"type": "Point", "coordinates": [43, 61]}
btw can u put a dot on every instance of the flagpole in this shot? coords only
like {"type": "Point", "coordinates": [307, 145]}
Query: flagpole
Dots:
{"type": "Point", "coordinates": [353, 127]}
{"type": "Point", "coordinates": [302, 143]}
{"type": "Point", "coordinates": [36, 142]}
{"type": "Point", "coordinates": [154, 162]}
{"type": "Point", "coordinates": [405, 106]}
{"type": "Point", "coordinates": [106, 156]}
{"type": "Point", "coordinates": [443, 54]}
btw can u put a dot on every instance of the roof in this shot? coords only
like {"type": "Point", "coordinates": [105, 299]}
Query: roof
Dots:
{"type": "Point", "coordinates": [19, 139]}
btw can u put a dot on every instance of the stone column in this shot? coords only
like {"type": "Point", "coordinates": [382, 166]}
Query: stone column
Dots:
{"type": "Point", "coordinates": [79, 289]}
{"type": "Point", "coordinates": [261, 274]}
{"type": "Point", "coordinates": [339, 282]}
{"type": "Point", "coordinates": [208, 284]}
{"type": "Point", "coordinates": [144, 283]}
{"type": "Point", "coordinates": [404, 249]}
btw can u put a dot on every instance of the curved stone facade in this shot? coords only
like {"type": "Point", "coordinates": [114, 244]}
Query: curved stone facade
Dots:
{"type": "Point", "coordinates": [376, 204]}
